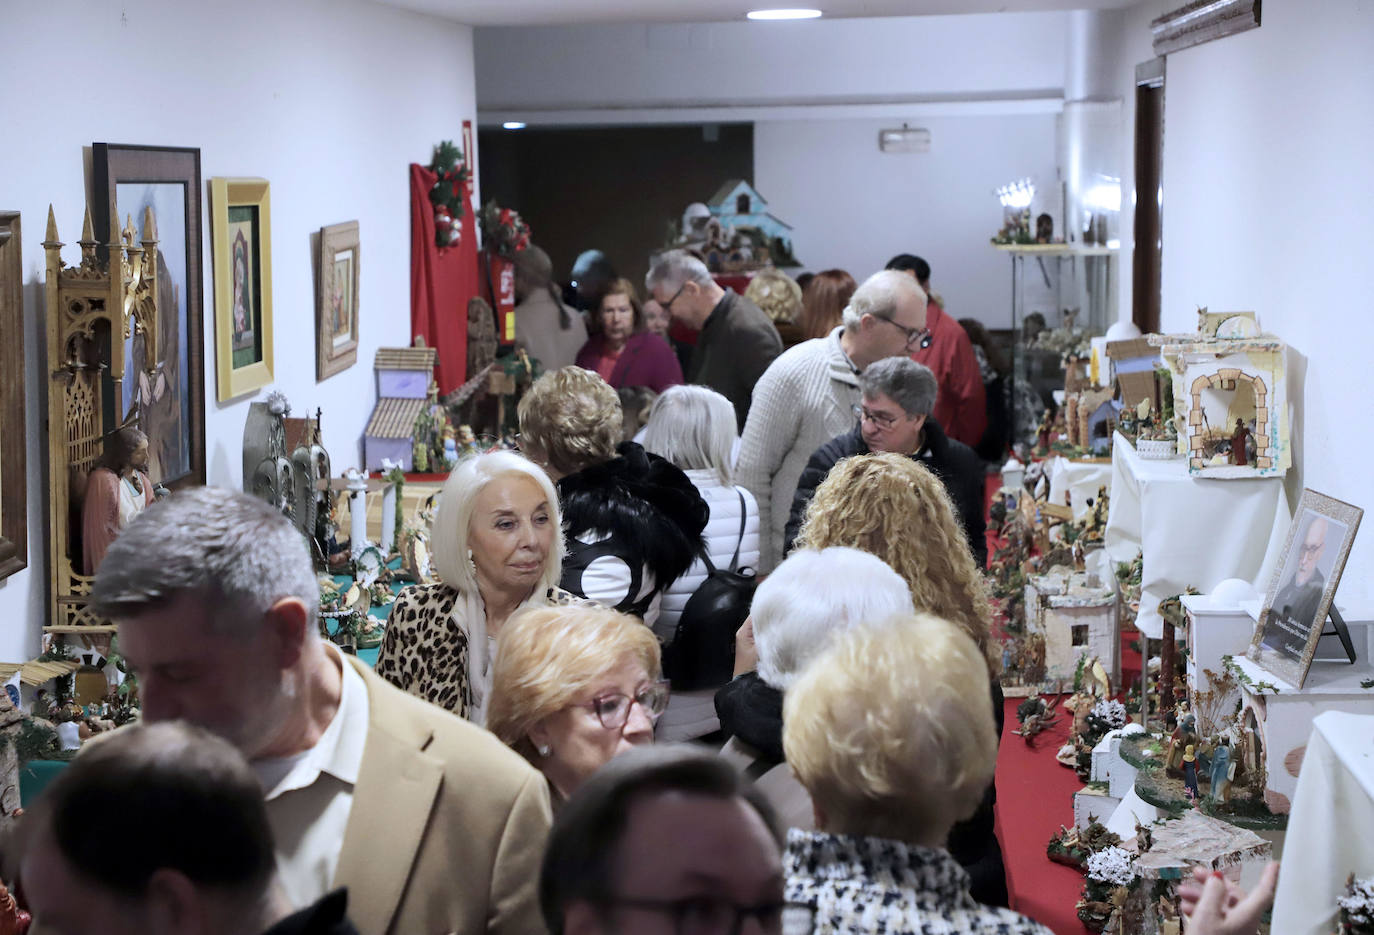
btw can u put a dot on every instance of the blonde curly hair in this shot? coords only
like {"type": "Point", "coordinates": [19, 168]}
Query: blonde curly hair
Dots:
{"type": "Point", "coordinates": [895, 508]}
{"type": "Point", "coordinates": [573, 416]}
{"type": "Point", "coordinates": [776, 294]}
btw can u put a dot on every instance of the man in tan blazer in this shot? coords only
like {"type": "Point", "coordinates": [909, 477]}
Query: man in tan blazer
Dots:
{"type": "Point", "coordinates": [432, 824]}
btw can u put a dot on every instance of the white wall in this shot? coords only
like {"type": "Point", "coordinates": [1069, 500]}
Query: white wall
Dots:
{"type": "Point", "coordinates": [1267, 207]}
{"type": "Point", "coordinates": [854, 206]}
{"type": "Point", "coordinates": [930, 57]}
{"type": "Point", "coordinates": [329, 100]}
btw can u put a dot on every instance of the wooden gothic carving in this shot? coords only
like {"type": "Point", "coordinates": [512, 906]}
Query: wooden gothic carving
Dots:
{"type": "Point", "coordinates": [92, 310]}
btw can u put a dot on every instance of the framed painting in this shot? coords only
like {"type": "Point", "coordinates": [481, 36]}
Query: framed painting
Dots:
{"type": "Point", "coordinates": [241, 240]}
{"type": "Point", "coordinates": [171, 405]}
{"type": "Point", "coordinates": [1300, 593]}
{"type": "Point", "coordinates": [336, 303]}
{"type": "Point", "coordinates": [14, 551]}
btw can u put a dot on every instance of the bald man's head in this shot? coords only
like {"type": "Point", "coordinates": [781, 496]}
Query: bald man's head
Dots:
{"type": "Point", "coordinates": [1313, 544]}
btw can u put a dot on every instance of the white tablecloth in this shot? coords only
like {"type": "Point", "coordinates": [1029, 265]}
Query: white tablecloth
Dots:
{"type": "Point", "coordinates": [1191, 530]}
{"type": "Point", "coordinates": [1080, 480]}
{"type": "Point", "coordinates": [1331, 826]}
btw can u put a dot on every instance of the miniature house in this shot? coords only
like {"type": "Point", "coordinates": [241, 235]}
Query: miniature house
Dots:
{"type": "Point", "coordinates": [1215, 629]}
{"type": "Point", "coordinates": [1077, 618]}
{"type": "Point", "coordinates": [403, 379]}
{"type": "Point", "coordinates": [1231, 399]}
{"type": "Point", "coordinates": [738, 204]}
{"type": "Point", "coordinates": [735, 232]}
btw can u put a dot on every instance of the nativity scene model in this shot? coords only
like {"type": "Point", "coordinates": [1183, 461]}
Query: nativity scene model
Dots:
{"type": "Point", "coordinates": [1231, 397]}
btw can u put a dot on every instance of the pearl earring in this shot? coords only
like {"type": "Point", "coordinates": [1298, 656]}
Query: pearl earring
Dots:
{"type": "Point", "coordinates": [471, 564]}
{"type": "Point", "coordinates": [544, 749]}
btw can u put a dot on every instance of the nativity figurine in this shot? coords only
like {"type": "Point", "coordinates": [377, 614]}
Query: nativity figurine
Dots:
{"type": "Point", "coordinates": [117, 490]}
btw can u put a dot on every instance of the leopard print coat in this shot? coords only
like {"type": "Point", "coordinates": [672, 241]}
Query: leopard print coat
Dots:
{"type": "Point", "coordinates": [425, 650]}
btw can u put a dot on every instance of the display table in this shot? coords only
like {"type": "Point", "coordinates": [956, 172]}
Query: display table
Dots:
{"type": "Point", "coordinates": [1329, 828]}
{"type": "Point", "coordinates": [1078, 480]}
{"type": "Point", "coordinates": [1190, 530]}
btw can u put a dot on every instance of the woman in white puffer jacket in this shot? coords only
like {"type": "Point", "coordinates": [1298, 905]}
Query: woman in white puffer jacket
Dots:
{"type": "Point", "coordinates": [694, 428]}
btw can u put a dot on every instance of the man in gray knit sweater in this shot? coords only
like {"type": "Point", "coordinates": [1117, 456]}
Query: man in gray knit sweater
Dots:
{"type": "Point", "coordinates": [807, 396]}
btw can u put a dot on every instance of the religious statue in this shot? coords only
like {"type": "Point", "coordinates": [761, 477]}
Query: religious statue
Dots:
{"type": "Point", "coordinates": [1223, 772]}
{"type": "Point", "coordinates": [1190, 773]}
{"type": "Point", "coordinates": [1238, 439]}
{"type": "Point", "coordinates": [117, 490]}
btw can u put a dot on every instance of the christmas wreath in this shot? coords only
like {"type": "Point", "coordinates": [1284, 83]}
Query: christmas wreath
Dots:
{"type": "Point", "coordinates": [504, 232]}
{"type": "Point", "coordinates": [449, 193]}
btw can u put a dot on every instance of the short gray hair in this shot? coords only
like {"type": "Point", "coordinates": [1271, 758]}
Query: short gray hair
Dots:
{"type": "Point", "coordinates": [879, 296]}
{"type": "Point", "coordinates": [449, 536]}
{"type": "Point", "coordinates": [694, 428]}
{"type": "Point", "coordinates": [237, 553]}
{"type": "Point", "coordinates": [813, 595]}
{"type": "Point", "coordinates": [907, 383]}
{"type": "Point", "coordinates": [672, 268]}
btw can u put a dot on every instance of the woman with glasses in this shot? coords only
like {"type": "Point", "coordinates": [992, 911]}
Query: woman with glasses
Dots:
{"type": "Point", "coordinates": [623, 353]}
{"type": "Point", "coordinates": [574, 687]}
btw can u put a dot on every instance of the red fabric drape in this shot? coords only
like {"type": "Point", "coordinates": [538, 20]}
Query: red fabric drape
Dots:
{"type": "Point", "coordinates": [442, 280]}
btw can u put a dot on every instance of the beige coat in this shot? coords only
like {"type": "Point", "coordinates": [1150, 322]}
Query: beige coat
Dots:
{"type": "Point", "coordinates": [448, 825]}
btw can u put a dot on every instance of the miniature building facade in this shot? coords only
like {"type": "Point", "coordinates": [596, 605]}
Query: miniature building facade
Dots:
{"type": "Point", "coordinates": [1077, 619]}
{"type": "Point", "coordinates": [1231, 398]}
{"type": "Point", "coordinates": [404, 375]}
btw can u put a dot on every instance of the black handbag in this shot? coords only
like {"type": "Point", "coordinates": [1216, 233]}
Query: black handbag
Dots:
{"type": "Point", "coordinates": [702, 653]}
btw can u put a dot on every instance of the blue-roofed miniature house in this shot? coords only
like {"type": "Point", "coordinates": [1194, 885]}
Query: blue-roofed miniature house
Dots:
{"type": "Point", "coordinates": [738, 204]}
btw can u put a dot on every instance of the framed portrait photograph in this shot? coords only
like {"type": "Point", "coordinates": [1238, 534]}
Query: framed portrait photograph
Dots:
{"type": "Point", "coordinates": [14, 524]}
{"type": "Point", "coordinates": [241, 240]}
{"type": "Point", "coordinates": [336, 319]}
{"type": "Point", "coordinates": [127, 180]}
{"type": "Point", "coordinates": [1304, 584]}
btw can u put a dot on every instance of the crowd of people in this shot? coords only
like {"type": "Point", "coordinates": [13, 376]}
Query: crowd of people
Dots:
{"type": "Point", "coordinates": [518, 760]}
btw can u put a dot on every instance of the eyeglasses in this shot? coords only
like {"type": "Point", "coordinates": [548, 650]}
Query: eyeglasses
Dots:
{"type": "Point", "coordinates": [667, 306]}
{"type": "Point", "coordinates": [881, 419]}
{"type": "Point", "coordinates": [920, 336]}
{"type": "Point", "coordinates": [613, 710]}
{"type": "Point", "coordinates": [701, 915]}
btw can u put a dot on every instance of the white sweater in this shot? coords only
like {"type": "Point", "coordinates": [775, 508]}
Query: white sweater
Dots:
{"type": "Point", "coordinates": [720, 535]}
{"type": "Point", "coordinates": [805, 398]}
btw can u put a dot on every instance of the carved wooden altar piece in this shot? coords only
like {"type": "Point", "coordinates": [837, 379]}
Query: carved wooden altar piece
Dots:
{"type": "Point", "coordinates": [92, 309]}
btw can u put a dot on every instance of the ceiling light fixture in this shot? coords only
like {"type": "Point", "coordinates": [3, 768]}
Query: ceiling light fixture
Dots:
{"type": "Point", "coordinates": [513, 125]}
{"type": "Point", "coordinates": [782, 14]}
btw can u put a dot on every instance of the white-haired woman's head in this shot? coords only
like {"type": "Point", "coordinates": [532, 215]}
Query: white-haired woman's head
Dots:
{"type": "Point", "coordinates": [813, 595]}
{"type": "Point", "coordinates": [694, 428]}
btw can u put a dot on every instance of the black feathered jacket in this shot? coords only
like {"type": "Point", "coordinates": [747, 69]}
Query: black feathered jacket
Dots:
{"type": "Point", "coordinates": [640, 509]}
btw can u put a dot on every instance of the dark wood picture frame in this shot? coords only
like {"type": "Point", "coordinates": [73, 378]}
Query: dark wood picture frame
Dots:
{"type": "Point", "coordinates": [114, 164]}
{"type": "Point", "coordinates": [1299, 598]}
{"type": "Point", "coordinates": [14, 522]}
{"type": "Point", "coordinates": [332, 355]}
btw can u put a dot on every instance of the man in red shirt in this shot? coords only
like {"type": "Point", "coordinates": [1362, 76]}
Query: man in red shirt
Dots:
{"type": "Point", "coordinates": [961, 406]}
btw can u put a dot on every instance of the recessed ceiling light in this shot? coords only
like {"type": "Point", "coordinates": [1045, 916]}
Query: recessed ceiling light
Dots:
{"type": "Point", "coordinates": [513, 125]}
{"type": "Point", "coordinates": [782, 14]}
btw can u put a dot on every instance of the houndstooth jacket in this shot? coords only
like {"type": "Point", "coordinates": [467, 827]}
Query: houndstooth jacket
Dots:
{"type": "Point", "coordinates": [850, 885]}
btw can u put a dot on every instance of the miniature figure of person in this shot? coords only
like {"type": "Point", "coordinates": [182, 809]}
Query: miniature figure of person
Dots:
{"type": "Point", "coordinates": [1238, 439]}
{"type": "Point", "coordinates": [1223, 771]}
{"type": "Point", "coordinates": [117, 490]}
{"type": "Point", "coordinates": [1190, 774]}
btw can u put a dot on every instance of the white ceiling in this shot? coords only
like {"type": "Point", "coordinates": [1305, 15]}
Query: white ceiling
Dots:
{"type": "Point", "coordinates": [556, 12]}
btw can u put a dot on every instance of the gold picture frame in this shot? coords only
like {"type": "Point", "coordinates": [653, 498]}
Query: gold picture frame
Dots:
{"type": "Point", "coordinates": [336, 300]}
{"type": "Point", "coordinates": [241, 241]}
{"type": "Point", "coordinates": [1303, 586]}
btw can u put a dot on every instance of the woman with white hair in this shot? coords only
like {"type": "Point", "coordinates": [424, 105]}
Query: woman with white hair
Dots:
{"type": "Point", "coordinates": [693, 427]}
{"type": "Point", "coordinates": [497, 547]}
{"type": "Point", "coordinates": [890, 731]}
{"type": "Point", "coordinates": [574, 687]}
{"type": "Point", "coordinates": [797, 610]}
